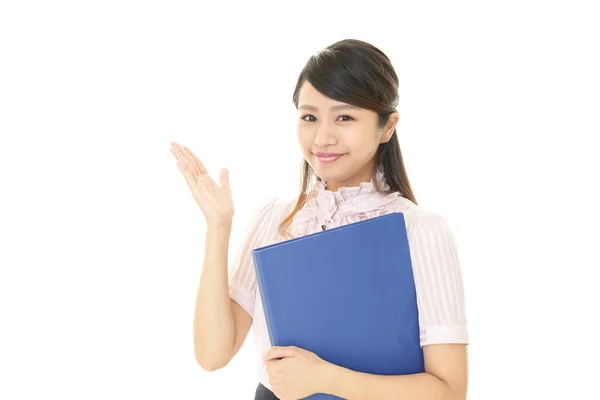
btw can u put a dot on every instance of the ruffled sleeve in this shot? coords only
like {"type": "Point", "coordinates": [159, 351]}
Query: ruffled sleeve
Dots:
{"type": "Point", "coordinates": [242, 278]}
{"type": "Point", "coordinates": [438, 281]}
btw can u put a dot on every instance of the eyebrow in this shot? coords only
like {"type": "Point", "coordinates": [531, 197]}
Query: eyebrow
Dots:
{"type": "Point", "coordinates": [334, 108]}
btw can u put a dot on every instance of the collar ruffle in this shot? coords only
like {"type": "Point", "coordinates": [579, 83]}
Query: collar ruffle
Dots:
{"type": "Point", "coordinates": [347, 204]}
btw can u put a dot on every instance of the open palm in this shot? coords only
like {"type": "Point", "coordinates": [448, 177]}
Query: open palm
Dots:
{"type": "Point", "coordinates": [215, 201]}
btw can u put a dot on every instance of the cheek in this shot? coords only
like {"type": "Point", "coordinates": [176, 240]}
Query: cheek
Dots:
{"type": "Point", "coordinates": [359, 141]}
{"type": "Point", "coordinates": [304, 136]}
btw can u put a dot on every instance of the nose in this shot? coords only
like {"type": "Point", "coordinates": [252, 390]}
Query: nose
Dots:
{"type": "Point", "coordinates": [325, 135]}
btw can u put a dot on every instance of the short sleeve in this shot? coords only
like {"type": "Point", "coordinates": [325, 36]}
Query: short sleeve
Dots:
{"type": "Point", "coordinates": [438, 281]}
{"type": "Point", "coordinates": [242, 279]}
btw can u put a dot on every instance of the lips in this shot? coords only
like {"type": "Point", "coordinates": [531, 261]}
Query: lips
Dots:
{"type": "Point", "coordinates": [327, 158]}
{"type": "Point", "coordinates": [327, 155]}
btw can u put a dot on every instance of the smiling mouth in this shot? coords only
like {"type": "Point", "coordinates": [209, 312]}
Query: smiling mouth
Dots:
{"type": "Point", "coordinates": [327, 158]}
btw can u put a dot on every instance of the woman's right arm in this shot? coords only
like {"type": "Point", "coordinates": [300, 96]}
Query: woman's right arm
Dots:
{"type": "Point", "coordinates": [216, 317]}
{"type": "Point", "coordinates": [224, 308]}
{"type": "Point", "coordinates": [220, 324]}
{"type": "Point", "coordinates": [225, 304]}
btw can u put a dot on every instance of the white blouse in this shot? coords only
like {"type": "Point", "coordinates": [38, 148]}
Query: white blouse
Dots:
{"type": "Point", "coordinates": [434, 257]}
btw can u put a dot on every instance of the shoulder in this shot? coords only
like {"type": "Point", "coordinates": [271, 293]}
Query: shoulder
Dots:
{"type": "Point", "coordinates": [419, 220]}
{"type": "Point", "coordinates": [270, 213]}
{"type": "Point", "coordinates": [275, 208]}
{"type": "Point", "coordinates": [426, 222]}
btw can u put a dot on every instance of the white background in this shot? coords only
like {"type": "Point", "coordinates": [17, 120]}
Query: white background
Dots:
{"type": "Point", "coordinates": [102, 244]}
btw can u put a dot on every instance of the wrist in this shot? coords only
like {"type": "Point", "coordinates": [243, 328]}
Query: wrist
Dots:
{"type": "Point", "coordinates": [329, 376]}
{"type": "Point", "coordinates": [219, 227]}
{"type": "Point", "coordinates": [218, 233]}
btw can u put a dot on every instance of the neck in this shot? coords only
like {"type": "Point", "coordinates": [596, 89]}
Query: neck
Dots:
{"type": "Point", "coordinates": [356, 180]}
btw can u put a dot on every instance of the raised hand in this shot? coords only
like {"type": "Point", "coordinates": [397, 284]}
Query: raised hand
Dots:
{"type": "Point", "coordinates": [215, 201]}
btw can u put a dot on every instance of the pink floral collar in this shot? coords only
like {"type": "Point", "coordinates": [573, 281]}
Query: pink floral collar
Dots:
{"type": "Point", "coordinates": [345, 205]}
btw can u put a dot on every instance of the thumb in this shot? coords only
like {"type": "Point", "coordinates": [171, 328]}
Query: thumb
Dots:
{"type": "Point", "coordinates": [279, 352]}
{"type": "Point", "coordinates": [224, 179]}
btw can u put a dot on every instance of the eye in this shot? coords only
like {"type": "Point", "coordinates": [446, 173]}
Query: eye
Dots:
{"type": "Point", "coordinates": [349, 118]}
{"type": "Point", "coordinates": [307, 115]}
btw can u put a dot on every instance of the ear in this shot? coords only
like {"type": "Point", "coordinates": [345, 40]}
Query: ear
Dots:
{"type": "Point", "coordinates": [388, 129]}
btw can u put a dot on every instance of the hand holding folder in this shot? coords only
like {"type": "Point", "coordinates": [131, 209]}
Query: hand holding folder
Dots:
{"type": "Point", "coordinates": [347, 294]}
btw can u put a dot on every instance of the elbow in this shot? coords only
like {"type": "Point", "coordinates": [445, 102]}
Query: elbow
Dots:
{"type": "Point", "coordinates": [212, 360]}
{"type": "Point", "coordinates": [458, 394]}
{"type": "Point", "coordinates": [210, 357]}
{"type": "Point", "coordinates": [209, 365]}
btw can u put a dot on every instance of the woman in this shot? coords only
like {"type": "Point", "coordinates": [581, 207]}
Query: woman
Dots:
{"type": "Point", "coordinates": [346, 97]}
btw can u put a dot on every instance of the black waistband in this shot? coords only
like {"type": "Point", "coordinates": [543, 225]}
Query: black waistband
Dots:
{"type": "Point", "coordinates": [263, 393]}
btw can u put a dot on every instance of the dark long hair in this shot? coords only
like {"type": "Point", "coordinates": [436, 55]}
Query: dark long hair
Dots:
{"type": "Point", "coordinates": [357, 73]}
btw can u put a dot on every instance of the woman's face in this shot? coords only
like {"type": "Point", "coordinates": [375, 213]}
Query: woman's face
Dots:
{"type": "Point", "coordinates": [338, 140]}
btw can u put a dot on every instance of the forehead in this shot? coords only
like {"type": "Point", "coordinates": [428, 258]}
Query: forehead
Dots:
{"type": "Point", "coordinates": [311, 99]}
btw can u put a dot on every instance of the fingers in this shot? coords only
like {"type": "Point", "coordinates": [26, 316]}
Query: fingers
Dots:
{"type": "Point", "coordinates": [185, 154]}
{"type": "Point", "coordinates": [194, 168]}
{"type": "Point", "coordinates": [280, 352]}
{"type": "Point", "coordinates": [181, 154]}
{"type": "Point", "coordinates": [224, 179]}
{"type": "Point", "coordinates": [199, 165]}
{"type": "Point", "coordinates": [187, 174]}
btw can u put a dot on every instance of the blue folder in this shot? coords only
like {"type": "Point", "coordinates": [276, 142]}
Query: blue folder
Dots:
{"type": "Point", "coordinates": [346, 294]}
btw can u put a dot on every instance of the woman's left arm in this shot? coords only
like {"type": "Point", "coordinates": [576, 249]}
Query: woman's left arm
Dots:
{"type": "Point", "coordinates": [443, 335]}
{"type": "Point", "coordinates": [442, 317]}
{"type": "Point", "coordinates": [445, 378]}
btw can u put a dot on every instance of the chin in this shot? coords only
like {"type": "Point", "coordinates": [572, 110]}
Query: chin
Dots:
{"type": "Point", "coordinates": [329, 174]}
{"type": "Point", "coordinates": [331, 171]}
